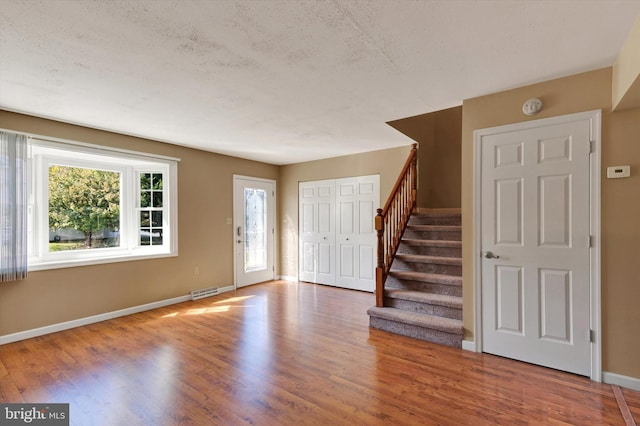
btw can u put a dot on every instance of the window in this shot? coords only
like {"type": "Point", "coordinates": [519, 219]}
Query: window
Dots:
{"type": "Point", "coordinates": [151, 210]}
{"type": "Point", "coordinates": [95, 205]}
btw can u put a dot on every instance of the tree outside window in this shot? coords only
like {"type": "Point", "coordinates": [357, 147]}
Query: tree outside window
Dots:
{"type": "Point", "coordinates": [151, 209]}
{"type": "Point", "coordinates": [84, 208]}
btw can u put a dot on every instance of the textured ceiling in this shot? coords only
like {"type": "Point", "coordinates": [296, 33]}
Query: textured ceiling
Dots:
{"type": "Point", "coordinates": [287, 81]}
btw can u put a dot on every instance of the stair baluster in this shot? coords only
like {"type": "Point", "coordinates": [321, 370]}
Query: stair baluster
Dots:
{"type": "Point", "coordinates": [392, 220]}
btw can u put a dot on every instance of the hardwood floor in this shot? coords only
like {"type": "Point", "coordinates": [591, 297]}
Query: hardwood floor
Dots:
{"type": "Point", "coordinates": [292, 354]}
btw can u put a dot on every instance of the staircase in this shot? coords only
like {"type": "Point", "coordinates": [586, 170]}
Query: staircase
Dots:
{"type": "Point", "coordinates": [423, 289]}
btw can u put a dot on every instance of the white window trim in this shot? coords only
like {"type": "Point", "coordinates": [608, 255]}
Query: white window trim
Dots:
{"type": "Point", "coordinates": [103, 157]}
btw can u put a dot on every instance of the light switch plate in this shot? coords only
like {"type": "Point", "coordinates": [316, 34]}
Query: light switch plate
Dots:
{"type": "Point", "coordinates": [615, 172]}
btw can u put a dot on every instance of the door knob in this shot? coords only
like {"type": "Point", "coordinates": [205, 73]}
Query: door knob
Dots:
{"type": "Point", "coordinates": [490, 255]}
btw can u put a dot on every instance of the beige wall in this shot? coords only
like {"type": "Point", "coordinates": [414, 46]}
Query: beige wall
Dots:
{"type": "Point", "coordinates": [439, 153]}
{"type": "Point", "coordinates": [620, 200]}
{"type": "Point", "coordinates": [387, 163]}
{"type": "Point", "coordinates": [626, 72]}
{"type": "Point", "coordinates": [204, 203]}
{"type": "Point", "coordinates": [621, 245]}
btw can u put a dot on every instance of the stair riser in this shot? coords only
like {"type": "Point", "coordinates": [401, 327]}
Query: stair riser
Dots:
{"type": "Point", "coordinates": [432, 268]}
{"type": "Point", "coordinates": [432, 235]}
{"type": "Point", "coordinates": [436, 220]}
{"type": "Point", "coordinates": [435, 288]}
{"type": "Point", "coordinates": [435, 336]}
{"type": "Point", "coordinates": [437, 310]}
{"type": "Point", "coordinates": [430, 250]}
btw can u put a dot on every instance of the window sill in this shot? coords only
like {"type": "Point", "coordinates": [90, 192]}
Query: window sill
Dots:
{"type": "Point", "coordinates": [41, 265]}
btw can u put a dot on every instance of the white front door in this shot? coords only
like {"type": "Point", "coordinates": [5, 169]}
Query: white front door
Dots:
{"type": "Point", "coordinates": [356, 202]}
{"type": "Point", "coordinates": [253, 229]}
{"type": "Point", "coordinates": [535, 244]}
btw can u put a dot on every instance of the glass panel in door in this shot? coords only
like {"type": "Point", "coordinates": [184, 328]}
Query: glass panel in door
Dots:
{"type": "Point", "coordinates": [255, 228]}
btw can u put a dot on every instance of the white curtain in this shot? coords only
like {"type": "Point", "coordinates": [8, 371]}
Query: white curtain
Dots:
{"type": "Point", "coordinates": [13, 206]}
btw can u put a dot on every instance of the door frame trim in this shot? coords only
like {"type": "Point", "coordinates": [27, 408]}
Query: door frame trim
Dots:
{"type": "Point", "coordinates": [233, 218]}
{"type": "Point", "coordinates": [595, 118]}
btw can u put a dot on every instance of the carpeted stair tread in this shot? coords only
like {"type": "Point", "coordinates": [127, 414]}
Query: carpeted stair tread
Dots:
{"type": "Point", "coordinates": [426, 277]}
{"type": "Point", "coordinates": [434, 243]}
{"type": "Point", "coordinates": [452, 228]}
{"type": "Point", "coordinates": [437, 212]}
{"type": "Point", "coordinates": [421, 258]}
{"type": "Point", "coordinates": [427, 298]}
{"type": "Point", "coordinates": [446, 325]}
{"type": "Point", "coordinates": [436, 217]}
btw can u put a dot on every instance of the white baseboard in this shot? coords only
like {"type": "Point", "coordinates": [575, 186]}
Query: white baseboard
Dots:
{"type": "Point", "coordinates": [607, 377]}
{"type": "Point", "coordinates": [287, 278]}
{"type": "Point", "coordinates": [225, 289]}
{"type": "Point", "coordinates": [620, 380]}
{"type": "Point", "coordinates": [27, 334]}
{"type": "Point", "coordinates": [469, 345]}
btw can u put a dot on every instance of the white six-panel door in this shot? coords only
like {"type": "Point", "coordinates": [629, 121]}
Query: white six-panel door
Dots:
{"type": "Point", "coordinates": [356, 202]}
{"type": "Point", "coordinates": [317, 232]}
{"type": "Point", "coordinates": [536, 245]}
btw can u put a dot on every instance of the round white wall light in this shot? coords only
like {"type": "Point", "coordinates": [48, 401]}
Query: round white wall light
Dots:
{"type": "Point", "coordinates": [532, 106]}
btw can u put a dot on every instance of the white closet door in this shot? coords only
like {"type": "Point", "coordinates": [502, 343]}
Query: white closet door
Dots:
{"type": "Point", "coordinates": [337, 235]}
{"type": "Point", "coordinates": [356, 202]}
{"type": "Point", "coordinates": [346, 233]}
{"type": "Point", "coordinates": [317, 232]}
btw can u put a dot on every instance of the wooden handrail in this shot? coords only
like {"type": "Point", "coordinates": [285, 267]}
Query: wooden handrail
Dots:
{"type": "Point", "coordinates": [392, 219]}
{"type": "Point", "coordinates": [407, 165]}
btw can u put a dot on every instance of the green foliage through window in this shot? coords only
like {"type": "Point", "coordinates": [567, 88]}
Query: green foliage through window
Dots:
{"type": "Point", "coordinates": [84, 208]}
{"type": "Point", "coordinates": [151, 203]}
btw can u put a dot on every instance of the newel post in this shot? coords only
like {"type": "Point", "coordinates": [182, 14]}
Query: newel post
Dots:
{"type": "Point", "coordinates": [379, 223]}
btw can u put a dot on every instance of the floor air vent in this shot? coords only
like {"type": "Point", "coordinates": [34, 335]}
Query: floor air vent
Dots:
{"type": "Point", "coordinates": [204, 292]}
